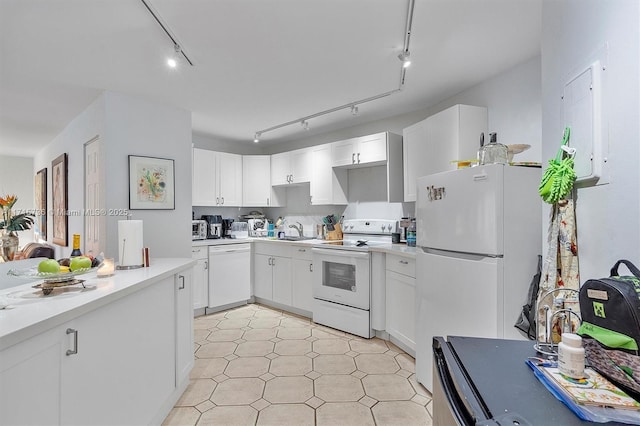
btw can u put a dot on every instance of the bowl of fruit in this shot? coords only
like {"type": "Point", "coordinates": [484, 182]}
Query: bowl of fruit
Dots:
{"type": "Point", "coordinates": [57, 273]}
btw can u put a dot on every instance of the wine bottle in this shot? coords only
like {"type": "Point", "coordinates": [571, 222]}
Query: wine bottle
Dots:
{"type": "Point", "coordinates": [76, 246]}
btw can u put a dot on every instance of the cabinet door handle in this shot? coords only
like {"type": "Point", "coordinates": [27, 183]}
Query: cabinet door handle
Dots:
{"type": "Point", "coordinates": [75, 341]}
{"type": "Point", "coordinates": [291, 179]}
{"type": "Point", "coordinates": [353, 158]}
{"type": "Point", "coordinates": [181, 277]}
{"type": "Point", "coordinates": [222, 198]}
{"type": "Point", "coordinates": [217, 200]}
{"type": "Point", "coordinates": [302, 250]}
{"type": "Point", "coordinates": [273, 261]}
{"type": "Point", "coordinates": [206, 265]}
{"type": "Point", "coordinates": [358, 158]}
{"type": "Point", "coordinates": [311, 267]}
{"type": "Point", "coordinates": [404, 262]}
{"type": "Point", "coordinates": [269, 261]}
{"type": "Point", "coordinates": [267, 200]}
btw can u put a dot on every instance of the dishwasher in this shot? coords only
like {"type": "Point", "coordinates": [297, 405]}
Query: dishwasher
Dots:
{"type": "Point", "coordinates": [229, 274]}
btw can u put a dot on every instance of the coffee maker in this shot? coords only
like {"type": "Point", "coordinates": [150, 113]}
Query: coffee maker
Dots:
{"type": "Point", "coordinates": [226, 228]}
{"type": "Point", "coordinates": [214, 227]}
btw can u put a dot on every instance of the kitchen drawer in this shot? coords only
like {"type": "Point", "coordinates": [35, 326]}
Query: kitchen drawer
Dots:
{"type": "Point", "coordinates": [300, 252]}
{"type": "Point", "coordinates": [273, 249]}
{"type": "Point", "coordinates": [401, 264]}
{"type": "Point", "coordinates": [200, 252]}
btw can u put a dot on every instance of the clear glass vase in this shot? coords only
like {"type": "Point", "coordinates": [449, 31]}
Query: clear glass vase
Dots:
{"type": "Point", "coordinates": [10, 243]}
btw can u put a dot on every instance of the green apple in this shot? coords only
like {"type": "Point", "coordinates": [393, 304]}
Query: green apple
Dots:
{"type": "Point", "coordinates": [49, 266]}
{"type": "Point", "coordinates": [80, 262]}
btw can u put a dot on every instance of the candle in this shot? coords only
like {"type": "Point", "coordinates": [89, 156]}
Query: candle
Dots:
{"type": "Point", "coordinates": [106, 268]}
{"type": "Point", "coordinates": [130, 243]}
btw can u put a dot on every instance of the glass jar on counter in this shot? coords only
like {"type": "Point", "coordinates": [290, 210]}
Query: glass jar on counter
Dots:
{"type": "Point", "coordinates": [493, 152]}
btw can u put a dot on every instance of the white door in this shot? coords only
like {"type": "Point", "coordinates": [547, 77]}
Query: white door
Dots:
{"type": "Point", "coordinates": [400, 308]}
{"type": "Point", "coordinates": [280, 169]}
{"type": "Point", "coordinates": [342, 276]}
{"type": "Point", "coordinates": [256, 180]}
{"type": "Point", "coordinates": [281, 280]}
{"type": "Point", "coordinates": [204, 189]}
{"type": "Point", "coordinates": [442, 139]}
{"type": "Point", "coordinates": [372, 149]}
{"type": "Point", "coordinates": [263, 276]}
{"type": "Point", "coordinates": [462, 210]}
{"type": "Point", "coordinates": [414, 152]}
{"type": "Point", "coordinates": [300, 165]}
{"type": "Point", "coordinates": [456, 296]}
{"type": "Point", "coordinates": [343, 153]}
{"type": "Point", "coordinates": [94, 222]}
{"type": "Point", "coordinates": [230, 186]}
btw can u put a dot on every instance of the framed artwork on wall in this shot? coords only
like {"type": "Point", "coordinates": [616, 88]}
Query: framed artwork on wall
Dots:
{"type": "Point", "coordinates": [60, 201]}
{"type": "Point", "coordinates": [40, 193]}
{"type": "Point", "coordinates": [151, 183]}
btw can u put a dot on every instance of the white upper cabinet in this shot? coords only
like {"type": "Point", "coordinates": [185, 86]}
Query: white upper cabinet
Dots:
{"type": "Point", "coordinates": [256, 180]}
{"type": "Point", "coordinates": [430, 145]}
{"type": "Point", "coordinates": [328, 185]}
{"type": "Point", "coordinates": [217, 178]}
{"type": "Point", "coordinates": [291, 167]}
{"type": "Point", "coordinates": [368, 150]}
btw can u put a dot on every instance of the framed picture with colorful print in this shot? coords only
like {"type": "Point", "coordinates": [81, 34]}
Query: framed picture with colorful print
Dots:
{"type": "Point", "coordinates": [151, 183]}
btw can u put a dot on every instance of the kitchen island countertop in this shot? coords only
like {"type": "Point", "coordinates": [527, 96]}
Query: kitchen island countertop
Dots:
{"type": "Point", "coordinates": [29, 312]}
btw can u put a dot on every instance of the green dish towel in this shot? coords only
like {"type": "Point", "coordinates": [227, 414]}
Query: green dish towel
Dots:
{"type": "Point", "coordinates": [559, 177]}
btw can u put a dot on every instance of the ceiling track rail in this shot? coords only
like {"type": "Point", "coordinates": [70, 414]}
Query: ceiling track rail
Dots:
{"type": "Point", "coordinates": [165, 28]}
{"type": "Point", "coordinates": [403, 73]}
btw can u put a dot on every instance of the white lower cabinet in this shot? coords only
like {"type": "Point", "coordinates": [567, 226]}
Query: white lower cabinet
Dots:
{"type": "Point", "coordinates": [272, 278]}
{"type": "Point", "coordinates": [200, 276]}
{"type": "Point", "coordinates": [114, 365]}
{"type": "Point", "coordinates": [400, 299]}
{"type": "Point", "coordinates": [302, 279]}
{"type": "Point", "coordinates": [281, 267]}
{"type": "Point", "coordinates": [229, 274]}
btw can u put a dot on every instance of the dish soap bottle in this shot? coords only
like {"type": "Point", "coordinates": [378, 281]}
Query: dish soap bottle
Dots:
{"type": "Point", "coordinates": [411, 234]}
{"type": "Point", "coordinates": [493, 152]}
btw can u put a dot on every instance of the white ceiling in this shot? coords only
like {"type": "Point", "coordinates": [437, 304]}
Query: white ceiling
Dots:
{"type": "Point", "coordinates": [258, 63]}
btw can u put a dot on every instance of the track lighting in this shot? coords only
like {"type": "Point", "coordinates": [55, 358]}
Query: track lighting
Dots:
{"type": "Point", "coordinates": [305, 124]}
{"type": "Point", "coordinates": [172, 61]}
{"type": "Point", "coordinates": [354, 110]}
{"type": "Point", "coordinates": [256, 137]}
{"type": "Point", "coordinates": [405, 58]}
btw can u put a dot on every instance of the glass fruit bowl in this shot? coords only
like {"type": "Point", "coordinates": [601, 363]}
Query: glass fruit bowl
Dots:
{"type": "Point", "coordinates": [48, 277]}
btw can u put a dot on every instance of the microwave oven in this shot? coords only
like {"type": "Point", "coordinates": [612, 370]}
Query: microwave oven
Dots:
{"type": "Point", "coordinates": [199, 229]}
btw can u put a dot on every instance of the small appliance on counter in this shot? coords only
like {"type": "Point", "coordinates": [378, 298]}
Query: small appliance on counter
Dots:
{"type": "Point", "coordinates": [226, 227]}
{"type": "Point", "coordinates": [239, 230]}
{"type": "Point", "coordinates": [199, 229]}
{"type": "Point", "coordinates": [214, 225]}
{"type": "Point", "coordinates": [258, 227]}
{"type": "Point", "coordinates": [403, 226]}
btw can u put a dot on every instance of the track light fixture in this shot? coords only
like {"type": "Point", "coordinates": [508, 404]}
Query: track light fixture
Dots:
{"type": "Point", "coordinates": [404, 56]}
{"type": "Point", "coordinates": [172, 61]}
{"type": "Point", "coordinates": [256, 137]}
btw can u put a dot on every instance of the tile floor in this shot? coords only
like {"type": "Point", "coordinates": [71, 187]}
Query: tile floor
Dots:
{"type": "Point", "coordinates": [255, 365]}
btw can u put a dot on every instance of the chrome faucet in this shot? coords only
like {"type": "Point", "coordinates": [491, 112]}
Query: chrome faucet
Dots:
{"type": "Point", "coordinates": [300, 228]}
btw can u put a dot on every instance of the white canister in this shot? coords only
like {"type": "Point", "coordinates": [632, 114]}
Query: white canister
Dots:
{"type": "Point", "coordinates": [571, 356]}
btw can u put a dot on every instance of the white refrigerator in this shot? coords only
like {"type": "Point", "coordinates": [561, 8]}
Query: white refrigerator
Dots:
{"type": "Point", "coordinates": [478, 237]}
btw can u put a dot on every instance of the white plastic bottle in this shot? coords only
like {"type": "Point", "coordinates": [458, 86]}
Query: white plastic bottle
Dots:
{"type": "Point", "coordinates": [571, 356]}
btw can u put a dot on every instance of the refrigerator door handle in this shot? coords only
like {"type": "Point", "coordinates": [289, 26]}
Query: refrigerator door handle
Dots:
{"type": "Point", "coordinates": [481, 176]}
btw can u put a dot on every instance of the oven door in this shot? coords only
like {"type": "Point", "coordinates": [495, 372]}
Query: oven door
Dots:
{"type": "Point", "coordinates": [341, 276]}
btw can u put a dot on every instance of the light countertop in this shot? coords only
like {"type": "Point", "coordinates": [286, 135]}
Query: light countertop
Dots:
{"type": "Point", "coordinates": [29, 312]}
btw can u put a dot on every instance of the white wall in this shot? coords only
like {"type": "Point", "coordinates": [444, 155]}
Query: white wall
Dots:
{"type": "Point", "coordinates": [128, 126]}
{"type": "Point", "coordinates": [17, 177]}
{"type": "Point", "coordinates": [608, 216]}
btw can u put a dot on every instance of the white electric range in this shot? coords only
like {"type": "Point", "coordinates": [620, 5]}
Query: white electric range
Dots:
{"type": "Point", "coordinates": [342, 276]}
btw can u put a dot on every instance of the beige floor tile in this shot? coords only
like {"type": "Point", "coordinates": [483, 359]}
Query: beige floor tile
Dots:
{"type": "Point", "coordinates": [400, 413]}
{"type": "Point", "coordinates": [233, 323]}
{"type": "Point", "coordinates": [260, 334]}
{"type": "Point", "coordinates": [241, 415]}
{"type": "Point", "coordinates": [208, 368]}
{"type": "Point", "coordinates": [198, 391]}
{"type": "Point", "coordinates": [287, 414]}
{"type": "Point", "coordinates": [247, 367]}
{"type": "Point", "coordinates": [240, 313]}
{"type": "Point", "coordinates": [238, 391]}
{"type": "Point", "coordinates": [200, 335]}
{"type": "Point", "coordinates": [344, 414]}
{"type": "Point", "coordinates": [338, 388]}
{"type": "Point", "coordinates": [208, 321]}
{"type": "Point", "coordinates": [388, 387]}
{"type": "Point", "coordinates": [264, 322]}
{"type": "Point", "coordinates": [429, 407]}
{"type": "Point", "coordinates": [182, 416]}
{"type": "Point", "coordinates": [334, 364]}
{"type": "Point", "coordinates": [373, 346]}
{"type": "Point", "coordinates": [257, 348]}
{"type": "Point", "coordinates": [288, 389]}
{"type": "Point", "coordinates": [298, 365]}
{"type": "Point", "coordinates": [331, 346]}
{"type": "Point", "coordinates": [420, 390]}
{"type": "Point", "coordinates": [225, 335]}
{"type": "Point", "coordinates": [330, 330]}
{"type": "Point", "coordinates": [292, 347]}
{"type": "Point", "coordinates": [322, 334]}
{"type": "Point", "coordinates": [267, 313]}
{"type": "Point", "coordinates": [406, 362]}
{"type": "Point", "coordinates": [216, 349]}
{"type": "Point", "coordinates": [367, 401]}
{"type": "Point", "coordinates": [314, 402]}
{"type": "Point", "coordinates": [205, 406]}
{"type": "Point", "coordinates": [376, 363]}
{"type": "Point", "coordinates": [294, 333]}
{"type": "Point", "coordinates": [422, 400]}
{"type": "Point", "coordinates": [295, 322]}
{"type": "Point", "coordinates": [260, 404]}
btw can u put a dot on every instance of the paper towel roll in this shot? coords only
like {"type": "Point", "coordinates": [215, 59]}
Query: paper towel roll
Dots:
{"type": "Point", "coordinates": [130, 242]}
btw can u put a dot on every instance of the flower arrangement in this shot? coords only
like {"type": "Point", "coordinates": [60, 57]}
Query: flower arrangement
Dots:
{"type": "Point", "coordinates": [11, 222]}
